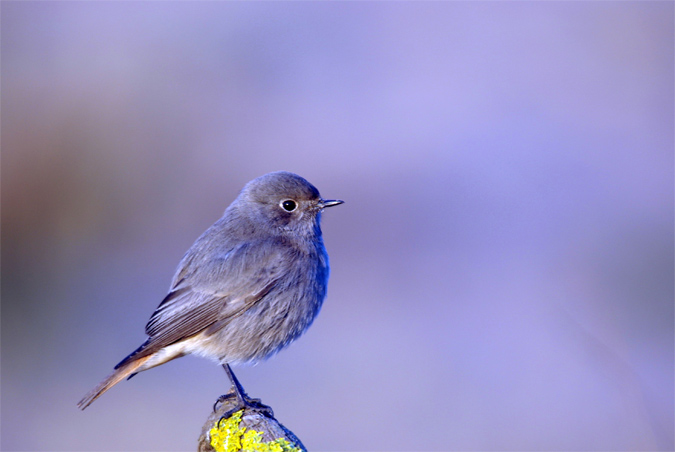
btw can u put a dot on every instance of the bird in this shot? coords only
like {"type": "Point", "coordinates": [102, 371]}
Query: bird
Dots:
{"type": "Point", "coordinates": [251, 284]}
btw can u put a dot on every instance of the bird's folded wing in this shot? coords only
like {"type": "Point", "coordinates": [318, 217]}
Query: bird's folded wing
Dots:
{"type": "Point", "coordinates": [192, 311]}
{"type": "Point", "coordinates": [235, 283]}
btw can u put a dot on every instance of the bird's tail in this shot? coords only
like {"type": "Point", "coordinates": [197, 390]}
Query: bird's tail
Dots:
{"type": "Point", "coordinates": [125, 370]}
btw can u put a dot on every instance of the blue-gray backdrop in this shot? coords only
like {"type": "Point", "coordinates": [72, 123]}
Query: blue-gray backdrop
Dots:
{"type": "Point", "coordinates": [502, 268]}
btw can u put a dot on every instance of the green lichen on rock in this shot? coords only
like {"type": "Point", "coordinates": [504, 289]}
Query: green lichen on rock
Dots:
{"type": "Point", "coordinates": [230, 436]}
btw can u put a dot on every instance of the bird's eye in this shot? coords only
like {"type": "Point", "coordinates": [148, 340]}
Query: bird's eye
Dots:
{"type": "Point", "coordinates": [289, 205]}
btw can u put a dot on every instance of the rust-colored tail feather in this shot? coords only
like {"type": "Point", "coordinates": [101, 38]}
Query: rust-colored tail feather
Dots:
{"type": "Point", "coordinates": [111, 380]}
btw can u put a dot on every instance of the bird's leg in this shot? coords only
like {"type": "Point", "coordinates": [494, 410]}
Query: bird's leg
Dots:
{"type": "Point", "coordinates": [242, 400]}
{"type": "Point", "coordinates": [241, 395]}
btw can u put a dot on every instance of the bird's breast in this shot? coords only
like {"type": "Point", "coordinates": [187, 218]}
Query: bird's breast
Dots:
{"type": "Point", "coordinates": [278, 318]}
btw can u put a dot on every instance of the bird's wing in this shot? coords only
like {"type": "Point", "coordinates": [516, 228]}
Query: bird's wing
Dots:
{"type": "Point", "coordinates": [189, 311]}
{"type": "Point", "coordinates": [222, 288]}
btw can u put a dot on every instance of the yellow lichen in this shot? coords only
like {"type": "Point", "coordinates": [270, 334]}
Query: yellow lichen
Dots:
{"type": "Point", "coordinates": [230, 437]}
{"type": "Point", "coordinates": [226, 436]}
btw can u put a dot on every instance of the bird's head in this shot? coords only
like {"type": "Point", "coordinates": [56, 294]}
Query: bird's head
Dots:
{"type": "Point", "coordinates": [284, 202]}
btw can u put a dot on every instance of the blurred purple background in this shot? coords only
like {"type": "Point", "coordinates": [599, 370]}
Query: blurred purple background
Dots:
{"type": "Point", "coordinates": [502, 270]}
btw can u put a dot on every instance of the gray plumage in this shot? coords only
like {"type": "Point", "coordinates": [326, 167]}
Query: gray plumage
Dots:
{"type": "Point", "coordinates": [249, 285]}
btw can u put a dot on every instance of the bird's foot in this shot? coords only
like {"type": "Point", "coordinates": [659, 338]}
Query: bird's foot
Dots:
{"type": "Point", "coordinates": [221, 399]}
{"type": "Point", "coordinates": [243, 403]}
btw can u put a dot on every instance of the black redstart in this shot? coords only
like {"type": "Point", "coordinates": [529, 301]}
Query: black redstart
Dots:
{"type": "Point", "coordinates": [251, 284]}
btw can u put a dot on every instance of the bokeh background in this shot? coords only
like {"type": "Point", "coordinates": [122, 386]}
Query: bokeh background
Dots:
{"type": "Point", "coordinates": [502, 270]}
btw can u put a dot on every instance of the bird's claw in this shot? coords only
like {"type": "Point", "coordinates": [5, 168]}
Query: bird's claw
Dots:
{"type": "Point", "coordinates": [223, 398]}
{"type": "Point", "coordinates": [245, 403]}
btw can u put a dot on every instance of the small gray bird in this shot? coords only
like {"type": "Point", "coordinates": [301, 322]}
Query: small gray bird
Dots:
{"type": "Point", "coordinates": [250, 285]}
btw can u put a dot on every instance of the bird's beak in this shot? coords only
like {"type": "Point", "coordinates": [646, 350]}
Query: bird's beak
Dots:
{"type": "Point", "coordinates": [330, 203]}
